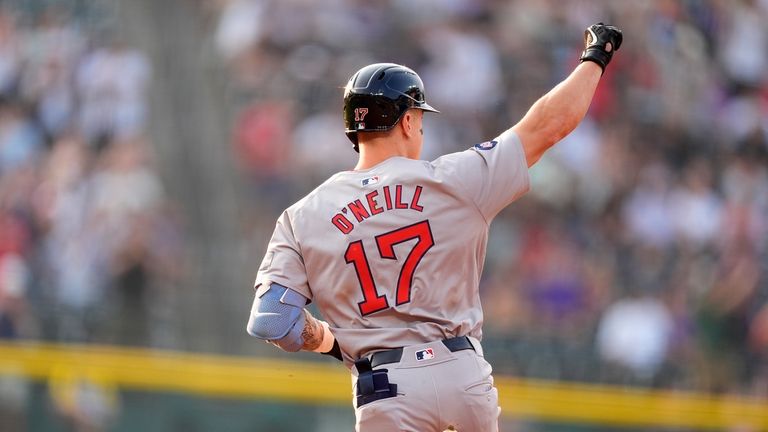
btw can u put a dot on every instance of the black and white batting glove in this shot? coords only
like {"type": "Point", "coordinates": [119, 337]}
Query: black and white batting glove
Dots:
{"type": "Point", "coordinates": [600, 42]}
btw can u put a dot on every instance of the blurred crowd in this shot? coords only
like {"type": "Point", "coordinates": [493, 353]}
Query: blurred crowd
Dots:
{"type": "Point", "coordinates": [639, 256]}
{"type": "Point", "coordinates": [87, 235]}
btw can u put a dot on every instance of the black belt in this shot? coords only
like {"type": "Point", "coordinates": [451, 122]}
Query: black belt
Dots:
{"type": "Point", "coordinates": [394, 355]}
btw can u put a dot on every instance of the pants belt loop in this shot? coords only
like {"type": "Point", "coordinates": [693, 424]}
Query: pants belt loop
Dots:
{"type": "Point", "coordinates": [476, 345]}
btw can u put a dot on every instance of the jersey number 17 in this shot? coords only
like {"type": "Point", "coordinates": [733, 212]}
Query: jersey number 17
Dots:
{"type": "Point", "coordinates": [355, 254]}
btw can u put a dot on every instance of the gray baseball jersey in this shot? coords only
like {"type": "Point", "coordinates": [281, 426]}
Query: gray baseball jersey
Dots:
{"type": "Point", "coordinates": [392, 255]}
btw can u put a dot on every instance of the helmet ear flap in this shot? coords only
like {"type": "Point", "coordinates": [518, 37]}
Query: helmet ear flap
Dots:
{"type": "Point", "coordinates": [352, 136]}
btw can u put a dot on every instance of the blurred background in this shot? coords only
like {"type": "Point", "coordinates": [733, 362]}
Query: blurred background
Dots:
{"type": "Point", "coordinates": [147, 147]}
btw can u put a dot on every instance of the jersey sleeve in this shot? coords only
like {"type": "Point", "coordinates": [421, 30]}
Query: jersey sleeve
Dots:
{"type": "Point", "coordinates": [492, 174]}
{"type": "Point", "coordinates": [283, 262]}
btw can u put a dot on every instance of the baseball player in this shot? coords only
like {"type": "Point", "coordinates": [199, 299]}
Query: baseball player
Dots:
{"type": "Point", "coordinates": [392, 251]}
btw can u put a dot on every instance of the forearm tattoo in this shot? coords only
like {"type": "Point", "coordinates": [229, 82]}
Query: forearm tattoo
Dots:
{"type": "Point", "coordinates": [312, 333]}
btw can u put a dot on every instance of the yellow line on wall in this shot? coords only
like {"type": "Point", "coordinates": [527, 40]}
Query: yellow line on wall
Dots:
{"type": "Point", "coordinates": [618, 406]}
{"type": "Point", "coordinates": [296, 381]}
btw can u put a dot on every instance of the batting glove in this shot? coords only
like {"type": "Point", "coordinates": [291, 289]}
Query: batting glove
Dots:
{"type": "Point", "coordinates": [596, 40]}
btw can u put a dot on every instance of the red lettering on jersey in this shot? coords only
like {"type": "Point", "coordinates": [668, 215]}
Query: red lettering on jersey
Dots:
{"type": "Point", "coordinates": [415, 201]}
{"type": "Point", "coordinates": [372, 204]}
{"type": "Point", "coordinates": [358, 210]}
{"type": "Point", "coordinates": [387, 198]}
{"type": "Point", "coordinates": [399, 204]}
{"type": "Point", "coordinates": [342, 223]}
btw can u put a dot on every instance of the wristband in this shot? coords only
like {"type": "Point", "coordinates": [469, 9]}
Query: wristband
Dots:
{"type": "Point", "coordinates": [328, 339]}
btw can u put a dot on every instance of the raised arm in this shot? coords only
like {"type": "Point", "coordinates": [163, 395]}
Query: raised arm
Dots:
{"type": "Point", "coordinates": [557, 113]}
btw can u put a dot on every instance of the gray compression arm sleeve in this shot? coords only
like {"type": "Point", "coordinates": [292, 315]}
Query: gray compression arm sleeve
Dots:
{"type": "Point", "coordinates": [277, 316]}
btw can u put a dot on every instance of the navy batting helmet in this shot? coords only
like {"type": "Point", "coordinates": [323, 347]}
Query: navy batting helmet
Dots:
{"type": "Point", "coordinates": [378, 95]}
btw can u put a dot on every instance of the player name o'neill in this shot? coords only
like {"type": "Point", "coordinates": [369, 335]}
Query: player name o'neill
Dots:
{"type": "Point", "coordinates": [376, 202]}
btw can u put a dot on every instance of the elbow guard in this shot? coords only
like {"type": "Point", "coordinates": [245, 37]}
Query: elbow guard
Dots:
{"type": "Point", "coordinates": [277, 316]}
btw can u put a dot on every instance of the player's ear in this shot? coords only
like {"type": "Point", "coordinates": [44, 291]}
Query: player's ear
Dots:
{"type": "Point", "coordinates": [407, 124]}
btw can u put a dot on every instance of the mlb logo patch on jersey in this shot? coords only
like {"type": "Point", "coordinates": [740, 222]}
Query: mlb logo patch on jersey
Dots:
{"type": "Point", "coordinates": [425, 354]}
{"type": "Point", "coordinates": [486, 145]}
{"type": "Point", "coordinates": [370, 181]}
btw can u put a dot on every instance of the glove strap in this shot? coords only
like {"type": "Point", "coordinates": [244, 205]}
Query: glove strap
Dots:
{"type": "Point", "coordinates": [597, 55]}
